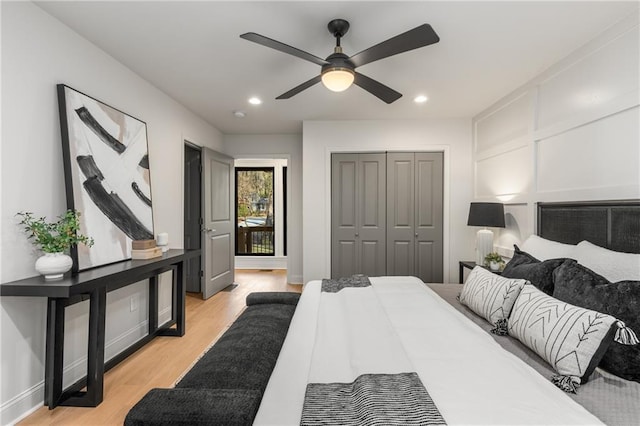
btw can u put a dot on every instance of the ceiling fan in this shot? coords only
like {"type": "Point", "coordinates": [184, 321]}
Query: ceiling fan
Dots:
{"type": "Point", "coordinates": [339, 70]}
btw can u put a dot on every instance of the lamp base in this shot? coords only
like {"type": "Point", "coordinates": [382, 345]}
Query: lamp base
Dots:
{"type": "Point", "coordinates": [484, 245]}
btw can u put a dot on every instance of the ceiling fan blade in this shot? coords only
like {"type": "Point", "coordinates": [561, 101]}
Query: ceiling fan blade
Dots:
{"type": "Point", "coordinates": [377, 89]}
{"type": "Point", "coordinates": [300, 88]}
{"type": "Point", "coordinates": [274, 44]}
{"type": "Point", "coordinates": [420, 36]}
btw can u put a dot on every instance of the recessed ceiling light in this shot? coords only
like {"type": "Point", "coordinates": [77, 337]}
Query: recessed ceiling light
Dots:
{"type": "Point", "coordinates": [255, 101]}
{"type": "Point", "coordinates": [239, 114]}
{"type": "Point", "coordinates": [420, 99]}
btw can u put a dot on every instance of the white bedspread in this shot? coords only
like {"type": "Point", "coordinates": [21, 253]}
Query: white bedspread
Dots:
{"type": "Point", "coordinates": [471, 379]}
{"type": "Point", "coordinates": [354, 337]}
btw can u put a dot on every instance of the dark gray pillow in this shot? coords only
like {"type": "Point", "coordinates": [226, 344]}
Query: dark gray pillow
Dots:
{"type": "Point", "coordinates": [579, 285]}
{"type": "Point", "coordinates": [540, 274]}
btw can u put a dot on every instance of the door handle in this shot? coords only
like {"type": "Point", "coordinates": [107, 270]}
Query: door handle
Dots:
{"type": "Point", "coordinates": [357, 235]}
{"type": "Point", "coordinates": [208, 230]}
{"type": "Point", "coordinates": [416, 235]}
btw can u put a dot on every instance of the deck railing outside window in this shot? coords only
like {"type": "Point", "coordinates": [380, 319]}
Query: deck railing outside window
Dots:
{"type": "Point", "coordinates": [255, 240]}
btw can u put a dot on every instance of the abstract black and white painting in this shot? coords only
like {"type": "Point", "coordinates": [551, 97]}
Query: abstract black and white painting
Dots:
{"type": "Point", "coordinates": [107, 177]}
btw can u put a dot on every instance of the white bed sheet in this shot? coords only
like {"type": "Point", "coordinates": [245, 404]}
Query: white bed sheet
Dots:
{"type": "Point", "coordinates": [471, 378]}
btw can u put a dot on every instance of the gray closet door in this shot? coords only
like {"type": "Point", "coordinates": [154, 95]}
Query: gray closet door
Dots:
{"type": "Point", "coordinates": [358, 214]}
{"type": "Point", "coordinates": [400, 213]}
{"type": "Point", "coordinates": [372, 218]}
{"type": "Point", "coordinates": [428, 216]}
{"type": "Point", "coordinates": [343, 214]}
{"type": "Point", "coordinates": [414, 215]}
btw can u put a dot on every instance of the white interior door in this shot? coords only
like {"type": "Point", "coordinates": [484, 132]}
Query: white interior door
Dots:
{"type": "Point", "coordinates": [218, 230]}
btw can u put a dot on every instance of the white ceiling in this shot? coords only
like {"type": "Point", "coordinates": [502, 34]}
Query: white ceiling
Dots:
{"type": "Point", "coordinates": [192, 51]}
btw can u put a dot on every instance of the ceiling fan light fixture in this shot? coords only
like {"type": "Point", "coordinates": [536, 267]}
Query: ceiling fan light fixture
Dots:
{"type": "Point", "coordinates": [338, 79]}
{"type": "Point", "coordinates": [338, 70]}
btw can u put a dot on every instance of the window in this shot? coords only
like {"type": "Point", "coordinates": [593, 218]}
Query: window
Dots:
{"type": "Point", "coordinates": [254, 211]}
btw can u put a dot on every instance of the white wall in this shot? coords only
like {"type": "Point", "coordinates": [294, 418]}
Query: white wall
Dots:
{"type": "Point", "coordinates": [279, 146]}
{"type": "Point", "coordinates": [321, 138]}
{"type": "Point", "coordinates": [39, 52]}
{"type": "Point", "coordinates": [570, 134]}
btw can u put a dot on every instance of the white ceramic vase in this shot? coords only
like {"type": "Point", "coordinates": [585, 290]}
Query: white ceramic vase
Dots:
{"type": "Point", "coordinates": [494, 266]}
{"type": "Point", "coordinates": [53, 265]}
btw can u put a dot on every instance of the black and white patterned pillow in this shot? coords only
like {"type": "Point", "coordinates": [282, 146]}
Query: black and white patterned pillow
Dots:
{"type": "Point", "coordinates": [571, 339]}
{"type": "Point", "coordinates": [490, 296]}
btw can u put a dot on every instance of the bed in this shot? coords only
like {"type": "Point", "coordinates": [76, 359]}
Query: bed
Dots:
{"type": "Point", "coordinates": [380, 336]}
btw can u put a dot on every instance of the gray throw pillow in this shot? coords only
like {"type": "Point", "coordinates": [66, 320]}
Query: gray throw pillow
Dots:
{"type": "Point", "coordinates": [540, 274]}
{"type": "Point", "coordinates": [578, 285]}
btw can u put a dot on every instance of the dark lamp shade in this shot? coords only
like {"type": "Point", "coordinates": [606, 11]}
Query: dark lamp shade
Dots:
{"type": "Point", "coordinates": [486, 214]}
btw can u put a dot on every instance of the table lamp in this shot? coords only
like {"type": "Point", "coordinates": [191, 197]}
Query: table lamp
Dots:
{"type": "Point", "coordinates": [486, 215]}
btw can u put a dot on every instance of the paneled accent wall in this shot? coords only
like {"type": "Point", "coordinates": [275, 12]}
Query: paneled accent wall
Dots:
{"type": "Point", "coordinates": [570, 134]}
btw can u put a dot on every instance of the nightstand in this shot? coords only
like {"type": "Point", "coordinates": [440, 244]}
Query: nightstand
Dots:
{"type": "Point", "coordinates": [470, 264]}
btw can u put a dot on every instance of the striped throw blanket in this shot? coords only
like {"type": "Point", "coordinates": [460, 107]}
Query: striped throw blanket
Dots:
{"type": "Point", "coordinates": [334, 286]}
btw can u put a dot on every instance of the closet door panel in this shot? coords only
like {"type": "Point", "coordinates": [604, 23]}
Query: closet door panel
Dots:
{"type": "Point", "coordinates": [429, 220]}
{"type": "Point", "coordinates": [400, 213]}
{"type": "Point", "coordinates": [358, 214]}
{"type": "Point", "coordinates": [347, 195]}
{"type": "Point", "coordinates": [345, 259]}
{"type": "Point", "coordinates": [371, 178]}
{"type": "Point", "coordinates": [400, 255]}
{"type": "Point", "coordinates": [426, 253]}
{"type": "Point", "coordinates": [370, 258]}
{"type": "Point", "coordinates": [400, 200]}
{"type": "Point", "coordinates": [372, 214]}
{"type": "Point", "coordinates": [344, 214]}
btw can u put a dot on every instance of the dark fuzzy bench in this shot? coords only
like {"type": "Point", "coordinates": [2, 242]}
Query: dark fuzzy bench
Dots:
{"type": "Point", "coordinates": [226, 385]}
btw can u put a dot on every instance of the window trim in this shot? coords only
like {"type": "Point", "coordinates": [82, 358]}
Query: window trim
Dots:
{"type": "Point", "coordinates": [235, 232]}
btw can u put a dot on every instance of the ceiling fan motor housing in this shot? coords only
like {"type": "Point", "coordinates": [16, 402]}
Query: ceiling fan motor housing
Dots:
{"type": "Point", "coordinates": [338, 61]}
{"type": "Point", "coordinates": [338, 74]}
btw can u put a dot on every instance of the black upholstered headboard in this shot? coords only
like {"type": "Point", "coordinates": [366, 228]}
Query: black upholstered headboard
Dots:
{"type": "Point", "coordinates": [611, 224]}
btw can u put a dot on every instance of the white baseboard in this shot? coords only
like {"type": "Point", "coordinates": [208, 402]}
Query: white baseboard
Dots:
{"type": "Point", "coordinates": [295, 279]}
{"type": "Point", "coordinates": [78, 369]}
{"type": "Point", "coordinates": [24, 404]}
{"type": "Point", "coordinates": [164, 315]}
{"type": "Point", "coordinates": [261, 262]}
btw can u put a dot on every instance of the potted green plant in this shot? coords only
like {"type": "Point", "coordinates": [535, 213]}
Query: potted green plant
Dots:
{"type": "Point", "coordinates": [54, 239]}
{"type": "Point", "coordinates": [494, 261]}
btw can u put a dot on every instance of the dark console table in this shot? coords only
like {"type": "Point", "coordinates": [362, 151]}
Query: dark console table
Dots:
{"type": "Point", "coordinates": [94, 285]}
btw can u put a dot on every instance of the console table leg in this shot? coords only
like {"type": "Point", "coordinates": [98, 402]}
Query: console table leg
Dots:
{"type": "Point", "coordinates": [54, 352]}
{"type": "Point", "coordinates": [95, 362]}
{"type": "Point", "coordinates": [174, 296]}
{"type": "Point", "coordinates": [153, 304]}
{"type": "Point", "coordinates": [180, 279]}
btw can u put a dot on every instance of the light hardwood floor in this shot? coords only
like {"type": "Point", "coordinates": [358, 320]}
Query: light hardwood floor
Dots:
{"type": "Point", "coordinates": [164, 359]}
